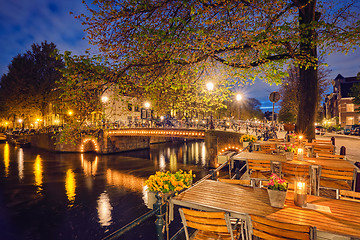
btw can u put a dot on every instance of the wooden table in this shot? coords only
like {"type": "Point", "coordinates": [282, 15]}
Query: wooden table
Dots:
{"type": "Point", "coordinates": [239, 201]}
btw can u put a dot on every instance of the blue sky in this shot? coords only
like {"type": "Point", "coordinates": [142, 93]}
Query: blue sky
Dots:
{"type": "Point", "coordinates": [24, 22]}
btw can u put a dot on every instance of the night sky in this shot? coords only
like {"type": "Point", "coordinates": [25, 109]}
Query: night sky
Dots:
{"type": "Point", "coordinates": [24, 22]}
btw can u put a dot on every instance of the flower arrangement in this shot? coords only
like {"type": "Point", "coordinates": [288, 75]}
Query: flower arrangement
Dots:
{"type": "Point", "coordinates": [288, 148]}
{"type": "Point", "coordinates": [166, 182]}
{"type": "Point", "coordinates": [276, 183]}
{"type": "Point", "coordinates": [248, 138]}
{"type": "Point", "coordinates": [292, 135]}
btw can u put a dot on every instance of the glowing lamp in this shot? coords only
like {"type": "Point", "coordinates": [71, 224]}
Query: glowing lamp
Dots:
{"type": "Point", "coordinates": [300, 196]}
{"type": "Point", "coordinates": [300, 154]}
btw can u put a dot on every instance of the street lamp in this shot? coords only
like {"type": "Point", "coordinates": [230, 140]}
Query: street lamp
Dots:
{"type": "Point", "coordinates": [239, 98]}
{"type": "Point", "coordinates": [210, 87]}
{"type": "Point", "coordinates": [147, 105]}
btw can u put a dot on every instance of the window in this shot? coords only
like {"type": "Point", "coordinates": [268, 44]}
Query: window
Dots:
{"type": "Point", "coordinates": [130, 107]}
{"type": "Point", "coordinates": [349, 120]}
{"type": "Point", "coordinates": [350, 107]}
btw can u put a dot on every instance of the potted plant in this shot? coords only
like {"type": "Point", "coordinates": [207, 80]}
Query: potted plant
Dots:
{"type": "Point", "coordinates": [289, 151]}
{"type": "Point", "coordinates": [166, 184]}
{"type": "Point", "coordinates": [246, 139]}
{"type": "Point", "coordinates": [277, 189]}
{"type": "Point", "coordinates": [292, 137]}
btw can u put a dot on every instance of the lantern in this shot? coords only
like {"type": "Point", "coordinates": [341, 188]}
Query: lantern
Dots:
{"type": "Point", "coordinates": [300, 194]}
{"type": "Point", "coordinates": [300, 154]}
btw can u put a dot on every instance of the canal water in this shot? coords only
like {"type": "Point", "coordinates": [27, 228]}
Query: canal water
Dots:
{"type": "Point", "coordinates": [45, 195]}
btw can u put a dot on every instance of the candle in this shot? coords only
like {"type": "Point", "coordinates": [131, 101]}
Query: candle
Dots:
{"type": "Point", "coordinates": [300, 194]}
{"type": "Point", "coordinates": [300, 153]}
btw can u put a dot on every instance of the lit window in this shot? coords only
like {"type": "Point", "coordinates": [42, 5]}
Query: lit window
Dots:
{"type": "Point", "coordinates": [350, 107]}
{"type": "Point", "coordinates": [349, 120]}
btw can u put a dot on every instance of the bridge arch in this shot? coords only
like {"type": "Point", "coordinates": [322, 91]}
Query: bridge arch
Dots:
{"type": "Point", "coordinates": [89, 145]}
{"type": "Point", "coordinates": [230, 147]}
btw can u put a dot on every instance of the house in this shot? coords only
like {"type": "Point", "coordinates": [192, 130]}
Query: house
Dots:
{"type": "Point", "coordinates": [339, 107]}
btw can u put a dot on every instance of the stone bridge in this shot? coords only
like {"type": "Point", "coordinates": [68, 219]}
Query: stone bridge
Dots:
{"type": "Point", "coordinates": [129, 139]}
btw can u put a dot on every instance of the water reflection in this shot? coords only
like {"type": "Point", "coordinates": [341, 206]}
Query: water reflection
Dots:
{"type": "Point", "coordinates": [186, 153]}
{"type": "Point", "coordinates": [162, 162]}
{"type": "Point", "coordinates": [70, 185]}
{"type": "Point", "coordinates": [173, 161]}
{"type": "Point", "coordinates": [123, 180]}
{"type": "Point", "coordinates": [38, 172]}
{"type": "Point", "coordinates": [89, 167]}
{"type": "Point", "coordinates": [21, 164]}
{"type": "Point", "coordinates": [6, 159]}
{"type": "Point", "coordinates": [104, 209]}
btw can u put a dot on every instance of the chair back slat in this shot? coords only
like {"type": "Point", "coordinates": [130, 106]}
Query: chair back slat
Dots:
{"type": "Point", "coordinates": [350, 195]}
{"type": "Point", "coordinates": [337, 173]}
{"type": "Point", "coordinates": [268, 148]}
{"type": "Point", "coordinates": [319, 141]}
{"type": "Point", "coordinates": [259, 165]}
{"type": "Point", "coordinates": [270, 229]}
{"type": "Point", "coordinates": [293, 172]}
{"type": "Point", "coordinates": [323, 149]}
{"type": "Point", "coordinates": [331, 156]}
{"type": "Point", "coordinates": [211, 222]}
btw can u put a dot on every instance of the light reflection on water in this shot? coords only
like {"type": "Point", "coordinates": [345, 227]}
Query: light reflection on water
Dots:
{"type": "Point", "coordinates": [95, 193]}
{"type": "Point", "coordinates": [123, 180]}
{"type": "Point", "coordinates": [38, 172]}
{"type": "Point", "coordinates": [104, 209]}
{"type": "Point", "coordinates": [70, 186]}
{"type": "Point", "coordinates": [6, 159]}
{"type": "Point", "coordinates": [21, 164]}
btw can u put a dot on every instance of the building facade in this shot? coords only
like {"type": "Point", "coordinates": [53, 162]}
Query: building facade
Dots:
{"type": "Point", "coordinates": [339, 106]}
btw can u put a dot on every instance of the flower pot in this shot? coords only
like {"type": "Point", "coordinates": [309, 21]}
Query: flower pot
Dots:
{"type": "Point", "coordinates": [277, 198]}
{"type": "Point", "coordinates": [289, 156]}
{"type": "Point", "coordinates": [150, 199]}
{"type": "Point", "coordinates": [245, 144]}
{"type": "Point", "coordinates": [292, 140]}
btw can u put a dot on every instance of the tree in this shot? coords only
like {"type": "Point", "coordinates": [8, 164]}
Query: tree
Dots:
{"type": "Point", "coordinates": [290, 92]}
{"type": "Point", "coordinates": [355, 92]}
{"type": "Point", "coordinates": [162, 43]}
{"type": "Point", "coordinates": [30, 83]}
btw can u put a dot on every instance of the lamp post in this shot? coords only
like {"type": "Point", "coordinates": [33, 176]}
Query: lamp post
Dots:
{"type": "Point", "coordinates": [210, 87]}
{"type": "Point", "coordinates": [147, 107]}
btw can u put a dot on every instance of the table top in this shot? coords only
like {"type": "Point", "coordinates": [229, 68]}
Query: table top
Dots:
{"type": "Point", "coordinates": [240, 201]}
{"type": "Point", "coordinates": [281, 158]}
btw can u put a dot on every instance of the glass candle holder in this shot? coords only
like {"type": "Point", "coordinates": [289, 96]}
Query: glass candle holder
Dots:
{"type": "Point", "coordinates": [300, 154]}
{"type": "Point", "coordinates": [300, 195]}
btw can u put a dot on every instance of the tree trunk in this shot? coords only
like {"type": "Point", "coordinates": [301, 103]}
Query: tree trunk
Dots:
{"type": "Point", "coordinates": [308, 84]}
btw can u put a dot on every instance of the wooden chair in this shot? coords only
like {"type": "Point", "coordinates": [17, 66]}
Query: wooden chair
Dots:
{"type": "Point", "coordinates": [267, 148]}
{"type": "Point", "coordinates": [349, 195]}
{"type": "Point", "coordinates": [264, 228]}
{"type": "Point", "coordinates": [292, 172]}
{"type": "Point", "coordinates": [331, 156]}
{"type": "Point", "coordinates": [323, 149]}
{"type": "Point", "coordinates": [277, 140]}
{"type": "Point", "coordinates": [336, 178]}
{"type": "Point", "coordinates": [235, 181]}
{"type": "Point", "coordinates": [209, 225]}
{"type": "Point", "coordinates": [259, 170]}
{"type": "Point", "coordinates": [318, 141]}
